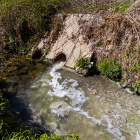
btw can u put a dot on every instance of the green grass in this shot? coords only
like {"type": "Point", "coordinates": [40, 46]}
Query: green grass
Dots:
{"type": "Point", "coordinates": [26, 21]}
{"type": "Point", "coordinates": [109, 68]}
{"type": "Point", "coordinates": [82, 63]}
{"type": "Point", "coordinates": [124, 6]}
{"type": "Point", "coordinates": [116, 7]}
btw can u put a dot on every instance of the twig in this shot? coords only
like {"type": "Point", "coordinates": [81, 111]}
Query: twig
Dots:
{"type": "Point", "coordinates": [132, 18]}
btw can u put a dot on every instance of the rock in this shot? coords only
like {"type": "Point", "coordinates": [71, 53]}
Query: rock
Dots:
{"type": "Point", "coordinates": [95, 91]}
{"type": "Point", "coordinates": [53, 126]}
{"type": "Point", "coordinates": [109, 47]}
{"type": "Point", "coordinates": [90, 46]}
{"type": "Point", "coordinates": [85, 72]}
{"type": "Point", "coordinates": [125, 84]}
{"type": "Point", "coordinates": [40, 46]}
{"type": "Point", "coordinates": [90, 65]}
{"type": "Point", "coordinates": [44, 84]}
{"type": "Point", "coordinates": [88, 56]}
{"type": "Point", "coordinates": [60, 108]}
{"type": "Point", "coordinates": [77, 69]}
{"type": "Point", "coordinates": [80, 71]}
{"type": "Point", "coordinates": [37, 119]}
{"type": "Point", "coordinates": [138, 112]}
{"type": "Point", "coordinates": [59, 133]}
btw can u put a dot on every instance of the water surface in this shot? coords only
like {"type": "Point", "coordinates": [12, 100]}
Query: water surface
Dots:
{"type": "Point", "coordinates": [93, 107]}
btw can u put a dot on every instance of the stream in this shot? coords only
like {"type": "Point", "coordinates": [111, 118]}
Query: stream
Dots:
{"type": "Point", "coordinates": [63, 102]}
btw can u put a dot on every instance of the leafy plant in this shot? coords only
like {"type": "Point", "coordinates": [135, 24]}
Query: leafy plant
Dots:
{"type": "Point", "coordinates": [138, 87]}
{"type": "Point", "coordinates": [100, 43]}
{"type": "Point", "coordinates": [109, 68]}
{"type": "Point", "coordinates": [82, 63]}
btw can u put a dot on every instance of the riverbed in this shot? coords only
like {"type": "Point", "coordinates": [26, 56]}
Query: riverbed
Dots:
{"type": "Point", "coordinates": [62, 102]}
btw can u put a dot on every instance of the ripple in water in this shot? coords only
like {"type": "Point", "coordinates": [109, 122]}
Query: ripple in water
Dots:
{"type": "Point", "coordinates": [93, 107]}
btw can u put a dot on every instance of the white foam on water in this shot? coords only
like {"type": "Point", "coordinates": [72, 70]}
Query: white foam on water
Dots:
{"type": "Point", "coordinates": [137, 136]}
{"type": "Point", "coordinates": [60, 90]}
{"type": "Point", "coordinates": [69, 88]}
{"type": "Point", "coordinates": [114, 130]}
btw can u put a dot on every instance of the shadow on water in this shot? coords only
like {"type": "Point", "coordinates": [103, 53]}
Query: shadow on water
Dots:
{"type": "Point", "coordinates": [16, 72]}
{"type": "Point", "coordinates": [19, 109]}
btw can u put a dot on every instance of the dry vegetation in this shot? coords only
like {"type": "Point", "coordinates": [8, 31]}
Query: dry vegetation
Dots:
{"type": "Point", "coordinates": [118, 37]}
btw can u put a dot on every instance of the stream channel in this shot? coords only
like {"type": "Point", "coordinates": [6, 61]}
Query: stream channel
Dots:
{"type": "Point", "coordinates": [63, 102]}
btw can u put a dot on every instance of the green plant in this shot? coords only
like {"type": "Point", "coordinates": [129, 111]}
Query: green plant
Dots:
{"type": "Point", "coordinates": [138, 87]}
{"type": "Point", "coordinates": [7, 123]}
{"type": "Point", "coordinates": [109, 68]}
{"type": "Point", "coordinates": [82, 63]}
{"type": "Point", "coordinates": [26, 21]}
{"type": "Point", "coordinates": [103, 66]}
{"type": "Point", "coordinates": [100, 43]}
{"type": "Point", "coordinates": [124, 6]}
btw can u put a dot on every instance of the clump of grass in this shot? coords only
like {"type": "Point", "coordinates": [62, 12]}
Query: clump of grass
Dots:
{"type": "Point", "coordinates": [109, 68]}
{"type": "Point", "coordinates": [82, 63]}
{"type": "Point", "coordinates": [100, 43]}
{"type": "Point", "coordinates": [124, 6]}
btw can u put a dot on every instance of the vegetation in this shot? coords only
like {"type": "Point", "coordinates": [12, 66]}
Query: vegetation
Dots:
{"type": "Point", "coordinates": [24, 22]}
{"type": "Point", "coordinates": [138, 87]}
{"type": "Point", "coordinates": [109, 68]}
{"type": "Point", "coordinates": [103, 5]}
{"type": "Point", "coordinates": [82, 63]}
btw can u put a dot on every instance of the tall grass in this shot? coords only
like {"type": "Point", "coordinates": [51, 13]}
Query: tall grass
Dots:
{"type": "Point", "coordinates": [25, 21]}
{"type": "Point", "coordinates": [110, 68]}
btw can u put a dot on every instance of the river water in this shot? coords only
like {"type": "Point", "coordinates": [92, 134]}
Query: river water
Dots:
{"type": "Point", "coordinates": [93, 107]}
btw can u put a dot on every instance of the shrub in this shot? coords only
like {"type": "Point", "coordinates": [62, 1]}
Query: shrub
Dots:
{"type": "Point", "coordinates": [82, 63]}
{"type": "Point", "coordinates": [25, 21]}
{"type": "Point", "coordinates": [110, 68]}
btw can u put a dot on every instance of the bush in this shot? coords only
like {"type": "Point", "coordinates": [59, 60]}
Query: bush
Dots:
{"type": "Point", "coordinates": [82, 63]}
{"type": "Point", "coordinates": [26, 21]}
{"type": "Point", "coordinates": [110, 68]}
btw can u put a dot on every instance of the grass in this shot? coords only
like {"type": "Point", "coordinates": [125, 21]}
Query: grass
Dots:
{"type": "Point", "coordinates": [82, 63]}
{"type": "Point", "coordinates": [116, 7]}
{"type": "Point", "coordinates": [26, 21]}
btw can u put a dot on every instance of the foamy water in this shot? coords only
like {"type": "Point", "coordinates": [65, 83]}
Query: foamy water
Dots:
{"type": "Point", "coordinates": [93, 107]}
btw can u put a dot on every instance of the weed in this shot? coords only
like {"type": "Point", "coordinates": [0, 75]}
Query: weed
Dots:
{"type": "Point", "coordinates": [26, 21]}
{"type": "Point", "coordinates": [124, 6]}
{"type": "Point", "coordinates": [100, 43]}
{"type": "Point", "coordinates": [82, 63]}
{"type": "Point", "coordinates": [138, 87]}
{"type": "Point", "coordinates": [109, 68]}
